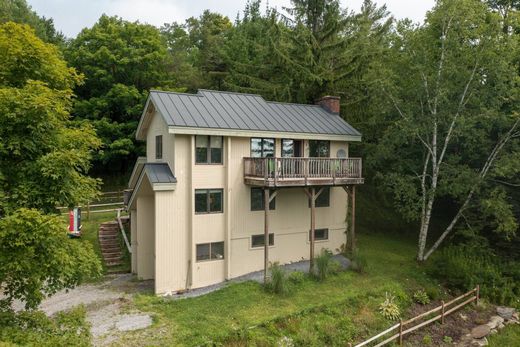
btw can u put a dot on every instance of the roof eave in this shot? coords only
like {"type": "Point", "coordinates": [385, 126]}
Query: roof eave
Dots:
{"type": "Point", "coordinates": [261, 133]}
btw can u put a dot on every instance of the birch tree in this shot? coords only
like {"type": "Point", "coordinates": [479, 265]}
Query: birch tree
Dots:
{"type": "Point", "coordinates": [456, 125]}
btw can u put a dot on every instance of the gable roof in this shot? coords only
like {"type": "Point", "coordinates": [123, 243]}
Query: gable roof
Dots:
{"type": "Point", "coordinates": [244, 112]}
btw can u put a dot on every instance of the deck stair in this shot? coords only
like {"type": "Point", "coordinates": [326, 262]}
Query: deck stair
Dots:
{"type": "Point", "coordinates": [110, 243]}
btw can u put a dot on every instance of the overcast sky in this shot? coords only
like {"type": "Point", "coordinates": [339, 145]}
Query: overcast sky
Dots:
{"type": "Point", "coordinates": [70, 16]}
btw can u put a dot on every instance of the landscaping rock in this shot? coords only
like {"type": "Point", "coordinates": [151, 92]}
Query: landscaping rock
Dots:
{"type": "Point", "coordinates": [480, 342]}
{"type": "Point", "coordinates": [480, 331]}
{"type": "Point", "coordinates": [494, 322]}
{"type": "Point", "coordinates": [505, 312]}
{"type": "Point", "coordinates": [129, 322]}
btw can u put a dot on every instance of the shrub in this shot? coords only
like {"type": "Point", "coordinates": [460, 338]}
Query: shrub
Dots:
{"type": "Point", "coordinates": [297, 277]}
{"type": "Point", "coordinates": [447, 339]}
{"type": "Point", "coordinates": [278, 281]}
{"type": "Point", "coordinates": [358, 263]}
{"type": "Point", "coordinates": [323, 264]}
{"type": "Point", "coordinates": [335, 267]}
{"type": "Point", "coordinates": [389, 308]}
{"type": "Point", "coordinates": [463, 267]}
{"type": "Point", "coordinates": [427, 340]}
{"type": "Point", "coordinates": [421, 297]}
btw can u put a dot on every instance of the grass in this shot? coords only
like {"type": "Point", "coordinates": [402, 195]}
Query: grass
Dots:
{"type": "Point", "coordinates": [509, 336]}
{"type": "Point", "coordinates": [342, 308]}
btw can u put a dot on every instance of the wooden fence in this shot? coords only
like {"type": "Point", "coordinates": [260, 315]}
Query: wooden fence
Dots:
{"type": "Point", "coordinates": [402, 328]}
{"type": "Point", "coordinates": [106, 202]}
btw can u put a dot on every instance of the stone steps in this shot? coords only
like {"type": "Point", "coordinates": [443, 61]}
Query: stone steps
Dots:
{"type": "Point", "coordinates": [110, 243]}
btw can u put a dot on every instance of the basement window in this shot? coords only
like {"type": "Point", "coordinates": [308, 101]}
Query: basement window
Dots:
{"type": "Point", "coordinates": [257, 200]}
{"type": "Point", "coordinates": [158, 147]}
{"type": "Point", "coordinates": [208, 149]}
{"type": "Point", "coordinates": [209, 201]}
{"type": "Point", "coordinates": [210, 251]}
{"type": "Point", "coordinates": [258, 240]}
{"type": "Point", "coordinates": [320, 234]}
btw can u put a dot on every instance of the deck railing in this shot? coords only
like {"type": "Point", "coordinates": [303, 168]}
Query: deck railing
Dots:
{"type": "Point", "coordinates": [302, 168]}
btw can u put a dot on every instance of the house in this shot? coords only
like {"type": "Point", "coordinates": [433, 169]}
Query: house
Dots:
{"type": "Point", "coordinates": [224, 173]}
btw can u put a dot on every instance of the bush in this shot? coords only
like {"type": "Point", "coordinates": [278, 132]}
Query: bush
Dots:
{"type": "Point", "coordinates": [297, 277]}
{"type": "Point", "coordinates": [358, 263]}
{"type": "Point", "coordinates": [421, 297]}
{"type": "Point", "coordinates": [278, 281]}
{"type": "Point", "coordinates": [34, 328]}
{"type": "Point", "coordinates": [389, 308]}
{"type": "Point", "coordinates": [463, 268]}
{"type": "Point", "coordinates": [335, 267]}
{"type": "Point", "coordinates": [323, 264]}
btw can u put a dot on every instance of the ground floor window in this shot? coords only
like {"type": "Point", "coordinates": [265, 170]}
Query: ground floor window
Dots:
{"type": "Point", "coordinates": [320, 234]}
{"type": "Point", "coordinates": [258, 240]}
{"type": "Point", "coordinates": [210, 251]}
{"type": "Point", "coordinates": [208, 200]}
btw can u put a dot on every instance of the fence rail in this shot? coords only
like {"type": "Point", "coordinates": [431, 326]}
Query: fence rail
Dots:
{"type": "Point", "coordinates": [445, 310]}
{"type": "Point", "coordinates": [101, 204]}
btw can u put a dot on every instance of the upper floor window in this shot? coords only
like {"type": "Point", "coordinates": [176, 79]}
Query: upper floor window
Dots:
{"type": "Point", "coordinates": [208, 149]}
{"type": "Point", "coordinates": [319, 149]}
{"type": "Point", "coordinates": [262, 148]}
{"type": "Point", "coordinates": [208, 200]}
{"type": "Point", "coordinates": [323, 200]}
{"type": "Point", "coordinates": [257, 200]}
{"type": "Point", "coordinates": [158, 147]}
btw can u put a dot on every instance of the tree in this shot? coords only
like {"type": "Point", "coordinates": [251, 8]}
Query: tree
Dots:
{"type": "Point", "coordinates": [121, 61]}
{"type": "Point", "coordinates": [456, 132]}
{"type": "Point", "coordinates": [44, 158]}
{"type": "Point", "coordinates": [19, 11]}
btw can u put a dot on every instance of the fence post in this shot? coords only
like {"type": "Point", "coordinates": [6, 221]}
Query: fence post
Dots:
{"type": "Point", "coordinates": [442, 314]}
{"type": "Point", "coordinates": [400, 332]}
{"type": "Point", "coordinates": [477, 294]}
{"type": "Point", "coordinates": [88, 210]}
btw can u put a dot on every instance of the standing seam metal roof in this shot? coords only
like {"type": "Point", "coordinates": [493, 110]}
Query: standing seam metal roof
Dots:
{"type": "Point", "coordinates": [228, 110]}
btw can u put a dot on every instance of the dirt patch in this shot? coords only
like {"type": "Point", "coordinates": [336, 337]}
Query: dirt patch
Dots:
{"type": "Point", "coordinates": [454, 328]}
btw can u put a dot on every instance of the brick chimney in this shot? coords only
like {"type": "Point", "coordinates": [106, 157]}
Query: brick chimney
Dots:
{"type": "Point", "coordinates": [329, 103]}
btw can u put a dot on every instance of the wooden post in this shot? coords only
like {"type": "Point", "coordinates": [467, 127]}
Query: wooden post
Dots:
{"type": "Point", "coordinates": [400, 332]}
{"type": "Point", "coordinates": [442, 312]}
{"type": "Point", "coordinates": [477, 294]}
{"type": "Point", "coordinates": [313, 227]}
{"type": "Point", "coordinates": [88, 210]}
{"type": "Point", "coordinates": [353, 243]}
{"type": "Point", "coordinates": [266, 232]}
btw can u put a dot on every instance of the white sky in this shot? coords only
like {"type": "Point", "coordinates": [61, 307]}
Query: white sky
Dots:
{"type": "Point", "coordinates": [70, 16]}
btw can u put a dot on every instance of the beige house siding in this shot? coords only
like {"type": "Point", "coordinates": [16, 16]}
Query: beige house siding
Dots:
{"type": "Point", "coordinates": [178, 229]}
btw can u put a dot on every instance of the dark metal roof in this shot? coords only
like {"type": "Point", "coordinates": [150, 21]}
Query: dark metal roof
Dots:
{"type": "Point", "coordinates": [228, 110]}
{"type": "Point", "coordinates": [159, 173]}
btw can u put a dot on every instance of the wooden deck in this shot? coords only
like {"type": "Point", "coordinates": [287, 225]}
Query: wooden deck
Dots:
{"type": "Point", "coordinates": [302, 172]}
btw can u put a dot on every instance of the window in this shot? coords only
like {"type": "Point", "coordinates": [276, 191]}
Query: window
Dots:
{"type": "Point", "coordinates": [158, 147]}
{"type": "Point", "coordinates": [319, 149]}
{"type": "Point", "coordinates": [291, 148]}
{"type": "Point", "coordinates": [258, 240]}
{"type": "Point", "coordinates": [262, 148]}
{"type": "Point", "coordinates": [257, 200]}
{"type": "Point", "coordinates": [208, 149]}
{"type": "Point", "coordinates": [320, 234]}
{"type": "Point", "coordinates": [208, 200]}
{"type": "Point", "coordinates": [210, 251]}
{"type": "Point", "coordinates": [323, 199]}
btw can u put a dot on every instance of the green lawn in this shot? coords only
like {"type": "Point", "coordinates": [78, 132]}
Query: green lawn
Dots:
{"type": "Point", "coordinates": [509, 336]}
{"type": "Point", "coordinates": [339, 310]}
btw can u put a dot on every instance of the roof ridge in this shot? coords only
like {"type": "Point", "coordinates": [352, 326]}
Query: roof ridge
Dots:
{"type": "Point", "coordinates": [171, 92]}
{"type": "Point", "coordinates": [293, 103]}
{"type": "Point", "coordinates": [229, 92]}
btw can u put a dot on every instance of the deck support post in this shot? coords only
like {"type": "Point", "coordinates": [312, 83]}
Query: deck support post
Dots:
{"type": "Point", "coordinates": [268, 197]}
{"type": "Point", "coordinates": [312, 197]}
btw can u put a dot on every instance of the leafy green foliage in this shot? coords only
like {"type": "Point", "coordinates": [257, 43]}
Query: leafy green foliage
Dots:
{"type": "Point", "coordinates": [421, 297]}
{"type": "Point", "coordinates": [34, 328]}
{"type": "Point", "coordinates": [389, 309]}
{"type": "Point", "coordinates": [323, 264]}
{"type": "Point", "coordinates": [38, 259]}
{"type": "Point", "coordinates": [278, 282]}
{"type": "Point", "coordinates": [297, 277]}
{"type": "Point", "coordinates": [464, 267]}
{"type": "Point", "coordinates": [358, 262]}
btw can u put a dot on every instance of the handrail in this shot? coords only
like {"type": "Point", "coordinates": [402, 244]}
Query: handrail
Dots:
{"type": "Point", "coordinates": [123, 231]}
{"type": "Point", "coordinates": [302, 168]}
